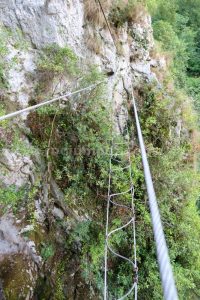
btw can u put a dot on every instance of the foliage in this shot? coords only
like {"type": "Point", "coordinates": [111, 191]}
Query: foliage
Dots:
{"type": "Point", "coordinates": [79, 133]}
{"type": "Point", "coordinates": [193, 86]}
{"type": "Point", "coordinates": [177, 189]}
{"type": "Point", "coordinates": [21, 145]}
{"type": "Point", "coordinates": [57, 60]}
{"type": "Point", "coordinates": [164, 32]}
{"type": "Point", "coordinates": [4, 35]}
{"type": "Point", "coordinates": [176, 26]}
{"type": "Point", "coordinates": [17, 40]}
{"type": "Point", "coordinates": [54, 64]}
{"type": "Point", "coordinates": [4, 123]}
{"type": "Point", "coordinates": [59, 295]}
{"type": "Point", "coordinates": [81, 136]}
{"type": "Point", "coordinates": [11, 197]}
{"type": "Point", "coordinates": [13, 138]}
{"type": "Point", "coordinates": [81, 232]}
{"type": "Point", "coordinates": [47, 251]}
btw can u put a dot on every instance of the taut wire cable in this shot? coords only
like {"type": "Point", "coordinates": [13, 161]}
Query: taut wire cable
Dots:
{"type": "Point", "coordinates": [119, 205]}
{"type": "Point", "coordinates": [166, 274]}
{"type": "Point", "coordinates": [30, 108]}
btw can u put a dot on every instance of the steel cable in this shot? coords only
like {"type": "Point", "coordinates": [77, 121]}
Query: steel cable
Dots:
{"type": "Point", "coordinates": [109, 234]}
{"type": "Point", "coordinates": [166, 274]}
{"type": "Point", "coordinates": [30, 108]}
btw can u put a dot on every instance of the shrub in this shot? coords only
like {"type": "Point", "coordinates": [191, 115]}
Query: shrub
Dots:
{"type": "Point", "coordinates": [165, 34]}
{"type": "Point", "coordinates": [57, 60]}
{"type": "Point", "coordinates": [193, 86]}
{"type": "Point", "coordinates": [54, 64]}
{"type": "Point", "coordinates": [78, 134]}
{"type": "Point", "coordinates": [47, 251]}
{"type": "Point", "coordinates": [11, 197]}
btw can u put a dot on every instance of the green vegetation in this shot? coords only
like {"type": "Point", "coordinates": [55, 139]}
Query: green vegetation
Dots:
{"type": "Point", "coordinates": [59, 294]}
{"type": "Point", "coordinates": [12, 138]}
{"type": "Point", "coordinates": [4, 35]}
{"type": "Point", "coordinates": [177, 189]}
{"type": "Point", "coordinates": [11, 198]}
{"type": "Point", "coordinates": [47, 251]}
{"type": "Point", "coordinates": [53, 64]}
{"type": "Point", "coordinates": [57, 60]}
{"type": "Point", "coordinates": [176, 27]}
{"type": "Point", "coordinates": [80, 135]}
{"type": "Point", "coordinates": [17, 40]}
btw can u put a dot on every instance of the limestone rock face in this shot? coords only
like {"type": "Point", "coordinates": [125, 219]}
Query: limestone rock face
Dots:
{"type": "Point", "coordinates": [19, 261]}
{"type": "Point", "coordinates": [46, 21]}
{"type": "Point", "coordinates": [43, 22]}
{"type": "Point", "coordinates": [15, 169]}
{"type": "Point", "coordinates": [20, 85]}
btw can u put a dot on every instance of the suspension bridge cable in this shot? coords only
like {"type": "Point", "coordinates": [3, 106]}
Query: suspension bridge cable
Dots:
{"type": "Point", "coordinates": [30, 108]}
{"type": "Point", "coordinates": [166, 274]}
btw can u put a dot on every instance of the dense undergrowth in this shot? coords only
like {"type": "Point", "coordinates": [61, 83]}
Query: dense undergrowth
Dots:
{"type": "Point", "coordinates": [177, 188]}
{"type": "Point", "coordinates": [80, 166]}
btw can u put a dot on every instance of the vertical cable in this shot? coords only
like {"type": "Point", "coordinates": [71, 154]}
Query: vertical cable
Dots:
{"type": "Point", "coordinates": [107, 224]}
{"type": "Point", "coordinates": [111, 197]}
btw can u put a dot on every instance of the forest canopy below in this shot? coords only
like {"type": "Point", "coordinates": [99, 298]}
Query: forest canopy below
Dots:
{"type": "Point", "coordinates": [176, 25]}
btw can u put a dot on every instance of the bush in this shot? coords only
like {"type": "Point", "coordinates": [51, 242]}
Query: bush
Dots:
{"type": "Point", "coordinates": [54, 65]}
{"type": "Point", "coordinates": [47, 251]}
{"type": "Point", "coordinates": [193, 86]}
{"type": "Point", "coordinates": [11, 197]}
{"type": "Point", "coordinates": [176, 26]}
{"type": "Point", "coordinates": [57, 60]}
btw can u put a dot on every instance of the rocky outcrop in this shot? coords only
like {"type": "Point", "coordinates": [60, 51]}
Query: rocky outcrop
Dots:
{"type": "Point", "coordinates": [41, 23]}
{"type": "Point", "coordinates": [19, 262]}
{"type": "Point", "coordinates": [15, 169]}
